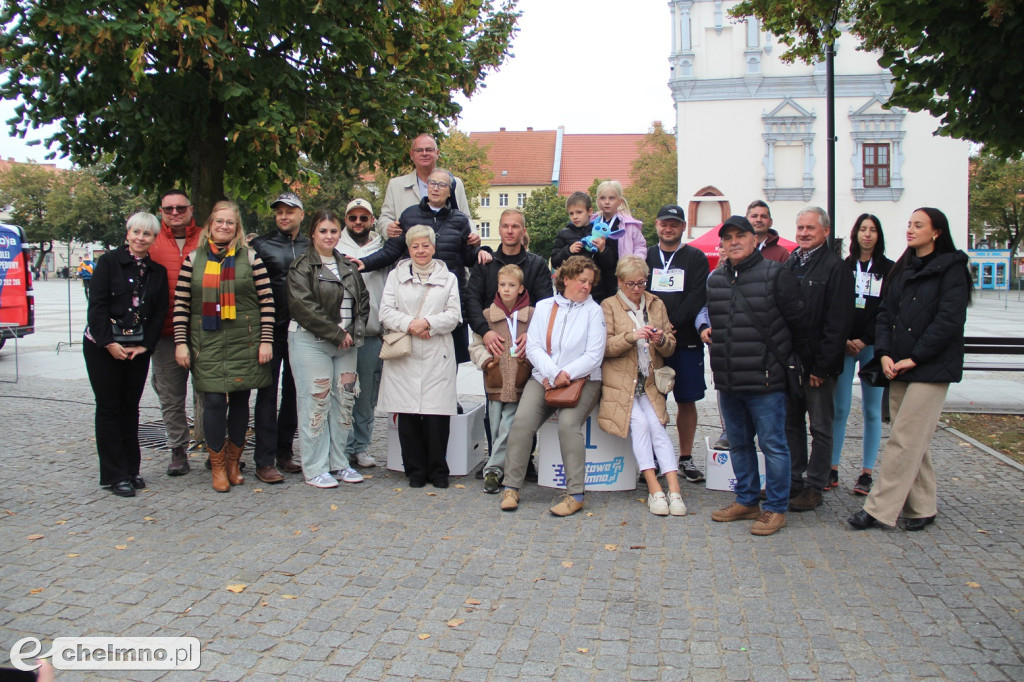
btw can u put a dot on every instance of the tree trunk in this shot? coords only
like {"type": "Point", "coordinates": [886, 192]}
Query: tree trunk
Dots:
{"type": "Point", "coordinates": [209, 149]}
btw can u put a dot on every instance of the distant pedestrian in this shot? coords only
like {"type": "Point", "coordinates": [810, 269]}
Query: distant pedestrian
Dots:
{"type": "Point", "coordinates": [85, 268]}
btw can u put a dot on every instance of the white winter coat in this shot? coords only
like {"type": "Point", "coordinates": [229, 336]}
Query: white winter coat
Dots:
{"type": "Point", "coordinates": [424, 382]}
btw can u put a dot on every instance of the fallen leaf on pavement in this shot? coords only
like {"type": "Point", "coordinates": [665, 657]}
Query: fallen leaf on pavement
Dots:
{"type": "Point", "coordinates": [446, 537]}
{"type": "Point", "coordinates": [334, 507]}
{"type": "Point", "coordinates": [590, 513]}
{"type": "Point", "coordinates": [288, 596]}
{"type": "Point", "coordinates": [120, 546]}
{"type": "Point", "coordinates": [257, 490]}
{"type": "Point", "coordinates": [611, 548]}
{"type": "Point", "coordinates": [236, 588]}
{"type": "Point", "coordinates": [367, 475]}
{"type": "Point", "coordinates": [298, 532]}
{"type": "Point", "coordinates": [972, 584]}
{"type": "Point", "coordinates": [148, 518]}
{"type": "Point", "coordinates": [397, 490]}
{"type": "Point", "coordinates": [624, 523]}
{"type": "Point", "coordinates": [567, 564]}
{"type": "Point", "coordinates": [431, 494]}
{"type": "Point", "coordinates": [474, 602]}
{"type": "Point", "coordinates": [983, 531]}
{"type": "Point", "coordinates": [456, 622]}
{"type": "Point", "coordinates": [62, 522]}
{"type": "Point", "coordinates": [73, 555]}
{"type": "Point", "coordinates": [313, 529]}
{"type": "Point", "coordinates": [638, 546]}
{"type": "Point", "coordinates": [459, 486]}
{"type": "Point", "coordinates": [423, 635]}
{"type": "Point", "coordinates": [36, 590]}
{"type": "Point", "coordinates": [35, 536]}
{"type": "Point", "coordinates": [582, 649]}
{"type": "Point", "coordinates": [9, 512]}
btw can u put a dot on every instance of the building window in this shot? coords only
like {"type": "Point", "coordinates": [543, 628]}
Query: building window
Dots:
{"type": "Point", "coordinates": [876, 165]}
{"type": "Point", "coordinates": [788, 152]}
{"type": "Point", "coordinates": [502, 200]}
{"type": "Point", "coordinates": [485, 230]}
{"type": "Point", "coordinates": [520, 199]}
{"type": "Point", "coordinates": [707, 208]}
{"type": "Point", "coordinates": [485, 200]}
{"type": "Point", "coordinates": [877, 151]}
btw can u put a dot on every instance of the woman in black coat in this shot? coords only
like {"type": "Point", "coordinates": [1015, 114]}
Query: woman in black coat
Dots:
{"type": "Point", "coordinates": [126, 312]}
{"type": "Point", "coordinates": [919, 339]}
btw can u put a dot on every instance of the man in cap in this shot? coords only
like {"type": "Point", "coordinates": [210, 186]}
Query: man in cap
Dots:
{"type": "Point", "coordinates": [359, 240]}
{"type": "Point", "coordinates": [679, 275]}
{"type": "Point", "coordinates": [756, 314]}
{"type": "Point", "coordinates": [275, 428]}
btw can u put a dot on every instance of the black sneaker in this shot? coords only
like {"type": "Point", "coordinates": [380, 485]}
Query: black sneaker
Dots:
{"type": "Point", "coordinates": [833, 480]}
{"type": "Point", "coordinates": [863, 486]}
{"type": "Point", "coordinates": [531, 471]}
{"type": "Point", "coordinates": [690, 470]}
{"type": "Point", "coordinates": [492, 482]}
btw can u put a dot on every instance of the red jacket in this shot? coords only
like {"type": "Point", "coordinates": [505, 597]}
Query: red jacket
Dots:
{"type": "Point", "coordinates": [165, 251]}
{"type": "Point", "coordinates": [773, 250]}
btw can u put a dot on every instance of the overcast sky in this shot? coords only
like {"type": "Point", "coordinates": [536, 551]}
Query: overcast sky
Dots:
{"type": "Point", "coordinates": [593, 66]}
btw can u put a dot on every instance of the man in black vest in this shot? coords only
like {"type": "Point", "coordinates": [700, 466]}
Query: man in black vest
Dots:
{"type": "Point", "coordinates": [756, 318]}
{"type": "Point", "coordinates": [826, 284]}
{"type": "Point", "coordinates": [275, 428]}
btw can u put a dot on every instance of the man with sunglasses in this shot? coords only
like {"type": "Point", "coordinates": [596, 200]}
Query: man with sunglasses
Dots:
{"type": "Point", "coordinates": [275, 427]}
{"type": "Point", "coordinates": [359, 240]}
{"type": "Point", "coordinates": [679, 275]}
{"type": "Point", "coordinates": [407, 190]}
{"type": "Point", "coordinates": [179, 236]}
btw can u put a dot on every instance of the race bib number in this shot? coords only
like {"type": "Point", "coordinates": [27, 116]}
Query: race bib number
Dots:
{"type": "Point", "coordinates": [668, 281]}
{"type": "Point", "coordinates": [868, 285]}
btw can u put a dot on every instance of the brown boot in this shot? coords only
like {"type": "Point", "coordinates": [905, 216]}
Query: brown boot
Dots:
{"type": "Point", "coordinates": [234, 456]}
{"type": "Point", "coordinates": [179, 462]}
{"type": "Point", "coordinates": [218, 467]}
{"type": "Point", "coordinates": [288, 465]}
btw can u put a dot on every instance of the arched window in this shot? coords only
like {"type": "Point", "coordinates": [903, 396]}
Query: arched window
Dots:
{"type": "Point", "coordinates": [708, 207]}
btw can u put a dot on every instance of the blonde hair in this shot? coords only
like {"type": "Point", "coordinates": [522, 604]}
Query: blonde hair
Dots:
{"type": "Point", "coordinates": [616, 187]}
{"type": "Point", "coordinates": [417, 231]}
{"type": "Point", "coordinates": [512, 270]}
{"type": "Point", "coordinates": [147, 222]}
{"type": "Point", "coordinates": [239, 239]}
{"type": "Point", "coordinates": [632, 265]}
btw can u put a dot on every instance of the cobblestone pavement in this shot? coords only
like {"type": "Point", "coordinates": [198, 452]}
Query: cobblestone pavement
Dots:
{"type": "Point", "coordinates": [379, 581]}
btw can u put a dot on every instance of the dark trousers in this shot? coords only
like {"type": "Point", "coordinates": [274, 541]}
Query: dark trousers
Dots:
{"type": "Point", "coordinates": [424, 441]}
{"type": "Point", "coordinates": [225, 412]}
{"type": "Point", "coordinates": [118, 386]}
{"type": "Point", "coordinates": [276, 426]}
{"type": "Point", "coordinates": [819, 407]}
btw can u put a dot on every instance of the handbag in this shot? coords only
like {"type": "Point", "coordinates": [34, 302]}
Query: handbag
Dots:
{"type": "Point", "coordinates": [664, 379]}
{"type": "Point", "coordinates": [562, 396]}
{"type": "Point", "coordinates": [125, 334]}
{"type": "Point", "coordinates": [398, 344]}
{"type": "Point", "coordinates": [794, 368]}
{"type": "Point", "coordinates": [872, 374]}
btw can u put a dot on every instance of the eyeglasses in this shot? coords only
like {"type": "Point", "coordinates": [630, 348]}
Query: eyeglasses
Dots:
{"type": "Point", "coordinates": [437, 185]}
{"type": "Point", "coordinates": [424, 150]}
{"type": "Point", "coordinates": [358, 218]}
{"type": "Point", "coordinates": [171, 210]}
{"type": "Point", "coordinates": [639, 284]}
{"type": "Point", "coordinates": [224, 221]}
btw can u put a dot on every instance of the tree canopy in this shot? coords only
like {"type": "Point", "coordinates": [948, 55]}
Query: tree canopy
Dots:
{"type": "Point", "coordinates": [465, 158]}
{"type": "Point", "coordinates": [959, 61]}
{"type": "Point", "coordinates": [996, 199]}
{"type": "Point", "coordinates": [545, 216]}
{"type": "Point", "coordinates": [228, 97]}
{"type": "Point", "coordinates": [655, 178]}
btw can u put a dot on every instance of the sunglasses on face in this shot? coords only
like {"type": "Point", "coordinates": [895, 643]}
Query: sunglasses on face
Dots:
{"type": "Point", "coordinates": [171, 210]}
{"type": "Point", "coordinates": [358, 218]}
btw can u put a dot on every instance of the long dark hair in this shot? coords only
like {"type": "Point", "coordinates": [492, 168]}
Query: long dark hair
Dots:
{"type": "Point", "coordinates": [855, 243]}
{"type": "Point", "coordinates": [943, 244]}
{"type": "Point", "coordinates": [321, 216]}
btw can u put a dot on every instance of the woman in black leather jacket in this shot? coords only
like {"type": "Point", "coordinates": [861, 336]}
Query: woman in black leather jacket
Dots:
{"type": "Point", "coordinates": [129, 297]}
{"type": "Point", "coordinates": [919, 339]}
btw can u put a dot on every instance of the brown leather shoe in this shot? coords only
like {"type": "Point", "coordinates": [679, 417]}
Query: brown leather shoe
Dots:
{"type": "Point", "coordinates": [288, 465]}
{"type": "Point", "coordinates": [269, 474]}
{"type": "Point", "coordinates": [566, 507]}
{"type": "Point", "coordinates": [735, 512]}
{"type": "Point", "coordinates": [233, 454]}
{"type": "Point", "coordinates": [219, 470]}
{"type": "Point", "coordinates": [808, 499]}
{"type": "Point", "coordinates": [179, 462]}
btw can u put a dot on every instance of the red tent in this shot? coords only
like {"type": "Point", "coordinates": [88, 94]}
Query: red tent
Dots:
{"type": "Point", "coordinates": [709, 241]}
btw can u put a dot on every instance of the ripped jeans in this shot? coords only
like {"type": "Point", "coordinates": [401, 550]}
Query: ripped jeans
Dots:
{"type": "Point", "coordinates": [325, 390]}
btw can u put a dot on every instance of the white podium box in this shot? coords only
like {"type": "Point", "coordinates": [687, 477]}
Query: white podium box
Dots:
{"type": "Point", "coordinates": [610, 461]}
{"type": "Point", "coordinates": [467, 443]}
{"type": "Point", "coordinates": [720, 475]}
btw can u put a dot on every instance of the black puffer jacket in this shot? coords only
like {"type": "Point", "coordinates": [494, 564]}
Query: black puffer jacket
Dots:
{"type": "Point", "coordinates": [741, 359]}
{"type": "Point", "coordinates": [452, 229]}
{"type": "Point", "coordinates": [483, 285]}
{"type": "Point", "coordinates": [922, 317]}
{"type": "Point", "coordinates": [827, 289]}
{"type": "Point", "coordinates": [277, 251]}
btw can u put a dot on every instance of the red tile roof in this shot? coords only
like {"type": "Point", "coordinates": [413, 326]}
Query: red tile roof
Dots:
{"type": "Point", "coordinates": [585, 157]}
{"type": "Point", "coordinates": [527, 156]}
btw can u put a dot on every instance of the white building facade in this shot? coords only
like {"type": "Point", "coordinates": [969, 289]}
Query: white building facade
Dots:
{"type": "Point", "coordinates": [750, 126]}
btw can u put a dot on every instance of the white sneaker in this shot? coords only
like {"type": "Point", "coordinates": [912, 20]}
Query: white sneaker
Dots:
{"type": "Point", "coordinates": [349, 475]}
{"type": "Point", "coordinates": [324, 480]}
{"type": "Point", "coordinates": [365, 459]}
{"type": "Point", "coordinates": [675, 504]}
{"type": "Point", "coordinates": [657, 503]}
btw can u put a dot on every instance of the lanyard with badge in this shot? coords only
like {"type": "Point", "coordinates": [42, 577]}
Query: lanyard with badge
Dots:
{"type": "Point", "coordinates": [513, 326]}
{"type": "Point", "coordinates": [866, 284]}
{"type": "Point", "coordinates": [666, 279]}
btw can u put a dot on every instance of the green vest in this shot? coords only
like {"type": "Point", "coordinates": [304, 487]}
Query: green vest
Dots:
{"type": "Point", "coordinates": [227, 360]}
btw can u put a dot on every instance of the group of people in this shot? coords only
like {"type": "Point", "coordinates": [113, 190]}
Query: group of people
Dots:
{"type": "Point", "coordinates": [350, 319]}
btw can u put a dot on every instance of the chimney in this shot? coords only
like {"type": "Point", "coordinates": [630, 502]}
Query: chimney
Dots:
{"type": "Point", "coordinates": [501, 130]}
{"type": "Point", "coordinates": [529, 129]}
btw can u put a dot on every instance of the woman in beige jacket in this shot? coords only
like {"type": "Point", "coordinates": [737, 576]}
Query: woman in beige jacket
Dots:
{"type": "Point", "coordinates": [639, 339]}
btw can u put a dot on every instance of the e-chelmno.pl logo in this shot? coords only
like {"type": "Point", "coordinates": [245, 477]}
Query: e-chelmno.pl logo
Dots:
{"type": "Point", "coordinates": [109, 653]}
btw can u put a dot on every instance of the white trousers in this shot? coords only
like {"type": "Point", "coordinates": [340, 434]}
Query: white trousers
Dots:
{"type": "Point", "coordinates": [650, 439]}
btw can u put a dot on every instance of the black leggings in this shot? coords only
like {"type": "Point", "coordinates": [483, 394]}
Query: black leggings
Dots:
{"type": "Point", "coordinates": [225, 412]}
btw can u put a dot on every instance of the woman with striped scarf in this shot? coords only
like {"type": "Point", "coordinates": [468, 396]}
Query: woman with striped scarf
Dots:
{"type": "Point", "coordinates": [224, 331]}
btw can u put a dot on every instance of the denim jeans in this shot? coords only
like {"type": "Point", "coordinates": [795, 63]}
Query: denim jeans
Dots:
{"type": "Point", "coordinates": [764, 414]}
{"type": "Point", "coordinates": [817, 404]}
{"type": "Point", "coordinates": [871, 407]}
{"type": "Point", "coordinates": [324, 401]}
{"type": "Point", "coordinates": [368, 367]}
